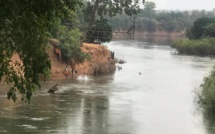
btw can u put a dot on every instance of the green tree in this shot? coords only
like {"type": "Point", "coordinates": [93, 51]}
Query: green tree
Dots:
{"type": "Point", "coordinates": [101, 31]}
{"type": "Point", "coordinates": [169, 25]}
{"type": "Point", "coordinates": [149, 9]}
{"type": "Point", "coordinates": [96, 10]}
{"type": "Point", "coordinates": [209, 30]}
{"type": "Point", "coordinates": [24, 30]}
{"type": "Point", "coordinates": [110, 7]}
{"type": "Point", "coordinates": [199, 25]}
{"type": "Point", "coordinates": [150, 25]}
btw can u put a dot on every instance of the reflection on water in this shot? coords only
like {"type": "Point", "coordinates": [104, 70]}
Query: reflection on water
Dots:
{"type": "Point", "coordinates": [159, 101]}
{"type": "Point", "coordinates": [160, 40]}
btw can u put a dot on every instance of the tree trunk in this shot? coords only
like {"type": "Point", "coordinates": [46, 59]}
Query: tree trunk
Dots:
{"type": "Point", "coordinates": [93, 12]}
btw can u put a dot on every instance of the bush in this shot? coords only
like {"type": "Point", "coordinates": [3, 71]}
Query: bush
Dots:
{"type": "Point", "coordinates": [206, 96]}
{"type": "Point", "coordinates": [70, 44]}
{"type": "Point", "coordinates": [201, 47]}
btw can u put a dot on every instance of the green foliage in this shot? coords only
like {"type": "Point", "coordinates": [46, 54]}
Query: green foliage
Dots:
{"type": "Point", "coordinates": [150, 25]}
{"type": "Point", "coordinates": [95, 11]}
{"type": "Point", "coordinates": [199, 27]}
{"type": "Point", "coordinates": [101, 31]}
{"type": "Point", "coordinates": [189, 33]}
{"type": "Point", "coordinates": [70, 46]}
{"type": "Point", "coordinates": [69, 43]}
{"type": "Point", "coordinates": [206, 94]}
{"type": "Point", "coordinates": [149, 10]}
{"type": "Point", "coordinates": [201, 40]}
{"type": "Point", "coordinates": [168, 26]}
{"type": "Point", "coordinates": [24, 30]}
{"type": "Point", "coordinates": [168, 21]}
{"type": "Point", "coordinates": [201, 47]}
{"type": "Point", "coordinates": [209, 30]}
{"type": "Point", "coordinates": [103, 8]}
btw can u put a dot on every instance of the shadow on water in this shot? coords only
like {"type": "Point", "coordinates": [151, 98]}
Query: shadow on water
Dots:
{"type": "Point", "coordinates": [161, 40]}
{"type": "Point", "coordinates": [95, 119]}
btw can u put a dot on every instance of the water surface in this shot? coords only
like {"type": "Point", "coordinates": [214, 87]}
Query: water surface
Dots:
{"type": "Point", "coordinates": [159, 101]}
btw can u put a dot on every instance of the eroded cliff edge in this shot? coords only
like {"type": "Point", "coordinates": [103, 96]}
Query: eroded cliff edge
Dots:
{"type": "Point", "coordinates": [100, 63]}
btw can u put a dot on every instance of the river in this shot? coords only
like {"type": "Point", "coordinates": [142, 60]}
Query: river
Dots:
{"type": "Point", "coordinates": [160, 100]}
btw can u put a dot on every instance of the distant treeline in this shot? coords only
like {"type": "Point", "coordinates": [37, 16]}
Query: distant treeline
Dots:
{"type": "Point", "coordinates": [151, 20]}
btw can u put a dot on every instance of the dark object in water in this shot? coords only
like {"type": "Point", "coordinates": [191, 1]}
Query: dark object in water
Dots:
{"type": "Point", "coordinates": [119, 67]}
{"type": "Point", "coordinates": [53, 89]}
{"type": "Point", "coordinates": [120, 61]}
{"type": "Point", "coordinates": [140, 73]}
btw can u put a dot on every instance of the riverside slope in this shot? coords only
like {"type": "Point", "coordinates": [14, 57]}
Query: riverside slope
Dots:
{"type": "Point", "coordinates": [100, 63]}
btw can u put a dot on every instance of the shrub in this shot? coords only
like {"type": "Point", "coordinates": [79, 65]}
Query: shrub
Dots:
{"type": "Point", "coordinates": [201, 47]}
{"type": "Point", "coordinates": [206, 94]}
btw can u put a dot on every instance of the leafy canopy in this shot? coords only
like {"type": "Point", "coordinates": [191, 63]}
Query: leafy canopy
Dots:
{"type": "Point", "coordinates": [101, 31]}
{"type": "Point", "coordinates": [199, 27]}
{"type": "Point", "coordinates": [25, 27]}
{"type": "Point", "coordinates": [96, 10]}
{"type": "Point", "coordinates": [103, 8]}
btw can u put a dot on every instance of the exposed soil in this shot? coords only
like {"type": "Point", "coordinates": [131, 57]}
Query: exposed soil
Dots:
{"type": "Point", "coordinates": [100, 63]}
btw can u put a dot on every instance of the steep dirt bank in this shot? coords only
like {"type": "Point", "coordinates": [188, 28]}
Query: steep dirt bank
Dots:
{"type": "Point", "coordinates": [100, 62]}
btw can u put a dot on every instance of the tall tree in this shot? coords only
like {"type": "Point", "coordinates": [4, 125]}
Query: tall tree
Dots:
{"type": "Point", "coordinates": [199, 25]}
{"type": "Point", "coordinates": [149, 9]}
{"type": "Point", "coordinates": [111, 8]}
{"type": "Point", "coordinates": [25, 27]}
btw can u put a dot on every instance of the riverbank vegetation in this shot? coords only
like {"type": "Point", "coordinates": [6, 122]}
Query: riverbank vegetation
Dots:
{"type": "Point", "coordinates": [200, 47]}
{"type": "Point", "coordinates": [206, 94]}
{"type": "Point", "coordinates": [200, 39]}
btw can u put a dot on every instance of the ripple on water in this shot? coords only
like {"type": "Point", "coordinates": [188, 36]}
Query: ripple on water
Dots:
{"type": "Point", "coordinates": [3, 131]}
{"type": "Point", "coordinates": [28, 126]}
{"type": "Point", "coordinates": [61, 100]}
{"type": "Point", "coordinates": [7, 109]}
{"type": "Point", "coordinates": [39, 119]}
